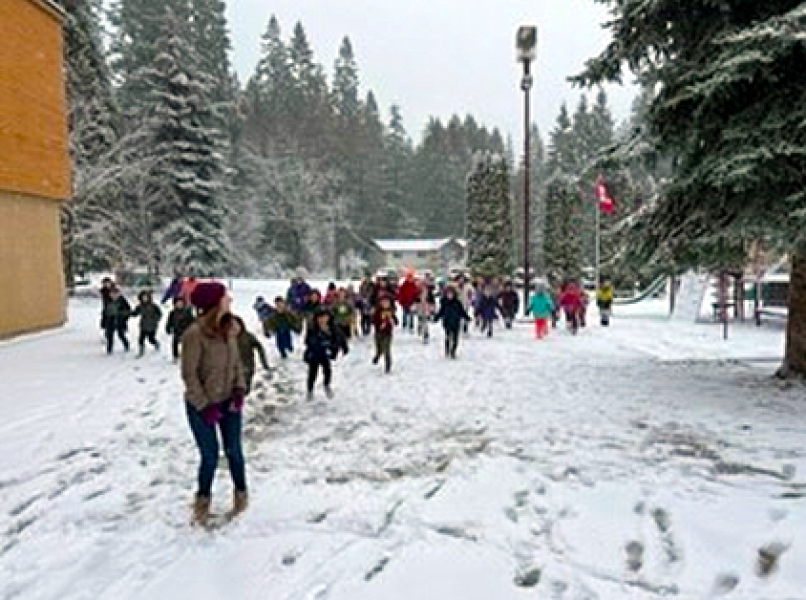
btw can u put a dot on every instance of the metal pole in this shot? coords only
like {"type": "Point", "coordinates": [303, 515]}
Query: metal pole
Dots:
{"type": "Point", "coordinates": [526, 85]}
{"type": "Point", "coordinates": [598, 240]}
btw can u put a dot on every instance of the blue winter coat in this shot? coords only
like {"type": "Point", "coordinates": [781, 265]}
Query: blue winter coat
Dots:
{"type": "Point", "coordinates": [488, 307]}
{"type": "Point", "coordinates": [541, 305]}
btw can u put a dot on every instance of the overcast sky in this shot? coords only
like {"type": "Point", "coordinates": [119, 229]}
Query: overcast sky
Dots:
{"type": "Point", "coordinates": [439, 57]}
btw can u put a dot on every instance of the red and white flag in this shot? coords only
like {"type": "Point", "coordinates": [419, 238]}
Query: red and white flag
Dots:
{"type": "Point", "coordinates": [606, 203]}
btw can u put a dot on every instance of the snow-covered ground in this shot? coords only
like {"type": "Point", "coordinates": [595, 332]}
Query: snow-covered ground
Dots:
{"type": "Point", "coordinates": [652, 459]}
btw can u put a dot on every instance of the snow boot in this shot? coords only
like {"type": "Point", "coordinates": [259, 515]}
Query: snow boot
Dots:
{"type": "Point", "coordinates": [328, 392]}
{"type": "Point", "coordinates": [201, 510]}
{"type": "Point", "coordinates": [240, 500]}
{"type": "Point", "coordinates": [376, 359]}
{"type": "Point", "coordinates": [309, 396]}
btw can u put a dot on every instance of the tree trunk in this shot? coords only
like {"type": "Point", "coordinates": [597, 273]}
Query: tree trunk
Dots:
{"type": "Point", "coordinates": [795, 358]}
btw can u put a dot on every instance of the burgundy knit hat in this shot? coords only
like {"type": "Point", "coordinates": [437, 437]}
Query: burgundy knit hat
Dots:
{"type": "Point", "coordinates": [206, 296]}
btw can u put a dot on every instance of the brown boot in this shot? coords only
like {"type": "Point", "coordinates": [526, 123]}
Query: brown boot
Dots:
{"type": "Point", "coordinates": [240, 500]}
{"type": "Point", "coordinates": [201, 509]}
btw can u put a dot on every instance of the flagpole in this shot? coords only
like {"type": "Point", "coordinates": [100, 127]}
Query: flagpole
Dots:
{"type": "Point", "coordinates": [598, 241]}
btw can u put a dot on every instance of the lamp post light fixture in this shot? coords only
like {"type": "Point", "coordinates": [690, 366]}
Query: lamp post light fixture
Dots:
{"type": "Point", "coordinates": [526, 44]}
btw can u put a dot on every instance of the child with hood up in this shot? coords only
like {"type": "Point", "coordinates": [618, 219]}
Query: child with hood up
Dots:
{"type": "Point", "coordinates": [179, 319]}
{"type": "Point", "coordinates": [323, 344]}
{"type": "Point", "coordinates": [150, 316]}
{"type": "Point", "coordinates": [541, 307]}
{"type": "Point", "coordinates": [264, 310]}
{"type": "Point", "coordinates": [116, 318]}
{"type": "Point", "coordinates": [452, 314]}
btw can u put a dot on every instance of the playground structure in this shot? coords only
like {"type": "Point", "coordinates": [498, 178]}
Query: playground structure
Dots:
{"type": "Point", "coordinates": [721, 296]}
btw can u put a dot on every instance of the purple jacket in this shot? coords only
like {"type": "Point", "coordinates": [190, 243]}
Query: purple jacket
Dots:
{"type": "Point", "coordinates": [297, 295]}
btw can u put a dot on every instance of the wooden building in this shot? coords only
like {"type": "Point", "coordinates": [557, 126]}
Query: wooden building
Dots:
{"type": "Point", "coordinates": [34, 166]}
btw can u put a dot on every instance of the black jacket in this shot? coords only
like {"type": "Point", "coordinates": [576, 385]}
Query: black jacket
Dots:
{"type": "Point", "coordinates": [321, 346]}
{"type": "Point", "coordinates": [452, 313]}
{"type": "Point", "coordinates": [178, 321]}
{"type": "Point", "coordinates": [509, 302]}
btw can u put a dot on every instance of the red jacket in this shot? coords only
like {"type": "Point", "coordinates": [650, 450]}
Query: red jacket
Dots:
{"type": "Point", "coordinates": [571, 299]}
{"type": "Point", "coordinates": [408, 293]}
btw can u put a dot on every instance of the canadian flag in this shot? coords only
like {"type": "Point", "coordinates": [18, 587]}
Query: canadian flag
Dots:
{"type": "Point", "coordinates": [606, 203]}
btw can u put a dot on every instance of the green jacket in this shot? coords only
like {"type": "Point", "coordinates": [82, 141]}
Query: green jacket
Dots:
{"type": "Point", "coordinates": [342, 312]}
{"type": "Point", "coordinates": [283, 322]}
{"type": "Point", "coordinates": [150, 315]}
{"type": "Point", "coordinates": [248, 344]}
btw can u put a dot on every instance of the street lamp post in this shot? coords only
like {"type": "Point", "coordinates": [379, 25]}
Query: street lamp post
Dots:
{"type": "Point", "coordinates": [526, 43]}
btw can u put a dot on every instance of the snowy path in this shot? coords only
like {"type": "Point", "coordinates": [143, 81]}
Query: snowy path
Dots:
{"type": "Point", "coordinates": [639, 462]}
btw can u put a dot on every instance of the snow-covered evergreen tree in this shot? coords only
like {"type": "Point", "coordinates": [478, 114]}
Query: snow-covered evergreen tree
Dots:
{"type": "Point", "coordinates": [489, 222]}
{"type": "Point", "coordinates": [728, 105]}
{"type": "Point", "coordinates": [186, 154]}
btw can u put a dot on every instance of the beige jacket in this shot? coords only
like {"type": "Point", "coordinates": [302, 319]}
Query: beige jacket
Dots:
{"type": "Point", "coordinates": [211, 366]}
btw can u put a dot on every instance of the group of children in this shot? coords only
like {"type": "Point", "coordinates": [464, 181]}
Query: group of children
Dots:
{"type": "Point", "coordinates": [330, 321]}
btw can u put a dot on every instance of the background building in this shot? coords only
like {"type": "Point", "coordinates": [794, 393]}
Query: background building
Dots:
{"type": "Point", "coordinates": [34, 166]}
{"type": "Point", "coordinates": [439, 256]}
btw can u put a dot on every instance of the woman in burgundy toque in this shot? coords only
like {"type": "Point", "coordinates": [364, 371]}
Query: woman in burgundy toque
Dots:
{"type": "Point", "coordinates": [214, 394]}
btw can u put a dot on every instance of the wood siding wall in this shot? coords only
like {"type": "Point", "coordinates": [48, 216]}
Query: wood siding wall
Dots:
{"type": "Point", "coordinates": [34, 157]}
{"type": "Point", "coordinates": [31, 278]}
{"type": "Point", "coordinates": [34, 166]}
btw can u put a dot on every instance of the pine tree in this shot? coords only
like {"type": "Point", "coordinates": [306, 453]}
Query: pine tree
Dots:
{"type": "Point", "coordinates": [728, 106]}
{"type": "Point", "coordinates": [563, 224]}
{"type": "Point", "coordinates": [90, 221]}
{"type": "Point", "coordinates": [489, 229]}
{"type": "Point", "coordinates": [184, 206]}
{"type": "Point", "coordinates": [137, 26]}
{"type": "Point", "coordinates": [211, 45]}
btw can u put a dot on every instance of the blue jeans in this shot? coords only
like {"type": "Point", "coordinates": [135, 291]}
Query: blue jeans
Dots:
{"type": "Point", "coordinates": [207, 443]}
{"type": "Point", "coordinates": [284, 342]}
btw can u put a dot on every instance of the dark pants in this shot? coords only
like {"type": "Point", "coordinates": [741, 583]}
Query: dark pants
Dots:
{"type": "Point", "coordinates": [346, 330]}
{"type": "Point", "coordinates": [487, 325]}
{"type": "Point", "coordinates": [150, 336]}
{"type": "Point", "coordinates": [313, 372]}
{"type": "Point", "coordinates": [571, 320]}
{"type": "Point", "coordinates": [383, 348]}
{"type": "Point", "coordinates": [177, 339]}
{"type": "Point", "coordinates": [451, 341]}
{"type": "Point", "coordinates": [111, 330]}
{"type": "Point", "coordinates": [509, 317]}
{"type": "Point", "coordinates": [366, 324]}
{"type": "Point", "coordinates": [207, 443]}
{"type": "Point", "coordinates": [285, 344]}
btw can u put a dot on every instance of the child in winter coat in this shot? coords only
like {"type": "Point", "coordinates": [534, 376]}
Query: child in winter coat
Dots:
{"type": "Point", "coordinates": [571, 303]}
{"type": "Point", "coordinates": [264, 310]}
{"type": "Point", "coordinates": [488, 310]}
{"type": "Point", "coordinates": [407, 295]}
{"type": "Point", "coordinates": [282, 323]}
{"type": "Point", "coordinates": [248, 344]}
{"type": "Point", "coordinates": [179, 319]}
{"type": "Point", "coordinates": [452, 313]}
{"type": "Point", "coordinates": [384, 319]}
{"type": "Point", "coordinates": [343, 310]}
{"type": "Point", "coordinates": [510, 304]}
{"type": "Point", "coordinates": [116, 318]}
{"type": "Point", "coordinates": [323, 344]}
{"type": "Point", "coordinates": [541, 308]}
{"type": "Point", "coordinates": [604, 300]}
{"type": "Point", "coordinates": [150, 315]}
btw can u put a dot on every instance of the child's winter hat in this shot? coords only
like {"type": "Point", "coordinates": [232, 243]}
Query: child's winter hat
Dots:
{"type": "Point", "coordinates": [207, 295]}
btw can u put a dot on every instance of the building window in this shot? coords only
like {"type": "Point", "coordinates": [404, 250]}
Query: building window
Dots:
{"type": "Point", "coordinates": [397, 255]}
{"type": "Point", "coordinates": [422, 254]}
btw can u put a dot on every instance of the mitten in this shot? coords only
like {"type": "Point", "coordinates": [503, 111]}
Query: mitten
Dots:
{"type": "Point", "coordinates": [237, 399]}
{"type": "Point", "coordinates": [212, 414]}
